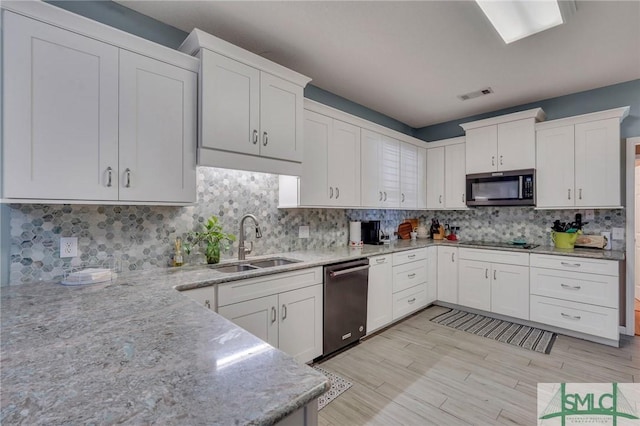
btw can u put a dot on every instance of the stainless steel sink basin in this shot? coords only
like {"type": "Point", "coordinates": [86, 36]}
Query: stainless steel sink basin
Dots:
{"type": "Point", "coordinates": [234, 268]}
{"type": "Point", "coordinates": [276, 261]}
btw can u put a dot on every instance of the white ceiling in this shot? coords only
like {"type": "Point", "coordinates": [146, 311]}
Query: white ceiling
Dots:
{"type": "Point", "coordinates": [409, 60]}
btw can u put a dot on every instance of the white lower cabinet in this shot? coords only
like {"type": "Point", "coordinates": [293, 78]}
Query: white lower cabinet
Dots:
{"type": "Point", "coordinates": [448, 274]}
{"type": "Point", "coordinates": [380, 292]}
{"type": "Point", "coordinates": [510, 290]}
{"type": "Point", "coordinates": [474, 285]}
{"type": "Point", "coordinates": [205, 296]}
{"type": "Point", "coordinates": [409, 281]}
{"type": "Point", "coordinates": [284, 310]}
{"type": "Point", "coordinates": [432, 274]}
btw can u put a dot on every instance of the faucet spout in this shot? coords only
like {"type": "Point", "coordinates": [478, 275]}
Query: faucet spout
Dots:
{"type": "Point", "coordinates": [242, 250]}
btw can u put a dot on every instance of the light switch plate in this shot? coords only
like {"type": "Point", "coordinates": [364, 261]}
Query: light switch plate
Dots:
{"type": "Point", "coordinates": [589, 215]}
{"type": "Point", "coordinates": [303, 232]}
{"type": "Point", "coordinates": [68, 247]}
{"type": "Point", "coordinates": [617, 234]}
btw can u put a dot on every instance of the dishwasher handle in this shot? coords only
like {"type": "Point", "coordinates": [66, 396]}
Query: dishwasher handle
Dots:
{"type": "Point", "coordinates": [334, 274]}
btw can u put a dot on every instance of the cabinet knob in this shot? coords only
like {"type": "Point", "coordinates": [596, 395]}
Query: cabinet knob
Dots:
{"type": "Point", "coordinates": [494, 275]}
{"type": "Point", "coordinates": [284, 312]}
{"type": "Point", "coordinates": [255, 136]}
{"type": "Point", "coordinates": [486, 273]}
{"type": "Point", "coordinates": [403, 197]}
{"type": "Point", "coordinates": [207, 303]}
{"type": "Point", "coordinates": [337, 192]}
{"type": "Point", "coordinates": [265, 139]}
{"type": "Point", "coordinates": [569, 194]}
{"type": "Point", "coordinates": [440, 199]}
{"type": "Point", "coordinates": [501, 160]}
{"type": "Point", "coordinates": [493, 160]}
{"type": "Point", "coordinates": [127, 173]}
{"type": "Point", "coordinates": [385, 195]}
{"type": "Point", "coordinates": [109, 172]}
{"type": "Point", "coordinates": [380, 196]}
{"type": "Point", "coordinates": [463, 198]}
{"type": "Point", "coordinates": [273, 314]}
{"type": "Point", "coordinates": [453, 257]}
{"type": "Point", "coordinates": [331, 192]}
{"type": "Point", "coordinates": [580, 194]}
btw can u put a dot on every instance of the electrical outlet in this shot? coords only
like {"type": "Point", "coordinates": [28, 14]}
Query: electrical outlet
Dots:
{"type": "Point", "coordinates": [589, 215]}
{"type": "Point", "coordinates": [617, 234]}
{"type": "Point", "coordinates": [303, 232]}
{"type": "Point", "coordinates": [68, 247]}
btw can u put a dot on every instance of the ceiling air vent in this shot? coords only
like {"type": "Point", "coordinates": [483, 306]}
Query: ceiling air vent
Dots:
{"type": "Point", "coordinates": [476, 94]}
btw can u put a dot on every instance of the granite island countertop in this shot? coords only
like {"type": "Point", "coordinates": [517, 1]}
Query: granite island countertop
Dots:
{"type": "Point", "coordinates": [136, 351]}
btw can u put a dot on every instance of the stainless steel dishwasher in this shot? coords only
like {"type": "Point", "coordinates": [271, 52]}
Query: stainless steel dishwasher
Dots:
{"type": "Point", "coordinates": [345, 304]}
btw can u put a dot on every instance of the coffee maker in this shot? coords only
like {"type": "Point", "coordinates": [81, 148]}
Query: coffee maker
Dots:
{"type": "Point", "coordinates": [371, 232]}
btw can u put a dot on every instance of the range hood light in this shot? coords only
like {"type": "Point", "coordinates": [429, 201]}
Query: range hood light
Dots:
{"type": "Point", "coordinates": [517, 19]}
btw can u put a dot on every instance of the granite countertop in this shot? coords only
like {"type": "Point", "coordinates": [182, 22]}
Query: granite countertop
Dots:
{"type": "Point", "coordinates": [137, 351]}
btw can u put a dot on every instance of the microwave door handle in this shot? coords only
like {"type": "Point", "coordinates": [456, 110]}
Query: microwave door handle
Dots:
{"type": "Point", "coordinates": [520, 187]}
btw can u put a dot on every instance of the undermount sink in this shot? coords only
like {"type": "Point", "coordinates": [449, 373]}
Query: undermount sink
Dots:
{"type": "Point", "coordinates": [234, 268]}
{"type": "Point", "coordinates": [276, 261]}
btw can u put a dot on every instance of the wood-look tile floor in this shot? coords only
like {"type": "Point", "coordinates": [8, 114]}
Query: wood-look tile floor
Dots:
{"type": "Point", "coordinates": [421, 373]}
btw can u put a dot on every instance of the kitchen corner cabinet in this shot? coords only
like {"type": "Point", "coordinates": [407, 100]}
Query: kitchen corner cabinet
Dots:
{"type": "Point", "coordinates": [379, 293]}
{"type": "Point", "coordinates": [251, 109]}
{"type": "Point", "coordinates": [579, 161]}
{"type": "Point", "coordinates": [284, 310]}
{"type": "Point", "coordinates": [502, 143]}
{"type": "Point", "coordinates": [85, 120]}
{"type": "Point", "coordinates": [331, 173]}
{"type": "Point", "coordinates": [448, 274]}
{"type": "Point", "coordinates": [446, 185]}
{"type": "Point", "coordinates": [380, 170]}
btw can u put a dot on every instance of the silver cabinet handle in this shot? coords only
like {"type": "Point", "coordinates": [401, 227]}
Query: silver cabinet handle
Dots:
{"type": "Point", "coordinates": [411, 276]}
{"type": "Point", "coordinates": [411, 300]}
{"type": "Point", "coordinates": [207, 304]}
{"type": "Point", "coordinates": [255, 136]}
{"type": "Point", "coordinates": [411, 256]}
{"type": "Point", "coordinates": [494, 275]}
{"type": "Point", "coordinates": [568, 194]}
{"type": "Point", "coordinates": [109, 172]}
{"type": "Point", "coordinates": [580, 194]}
{"type": "Point", "coordinates": [330, 192]}
{"type": "Point", "coordinates": [453, 258]}
{"type": "Point", "coordinates": [403, 197]}
{"type": "Point", "coordinates": [440, 199]}
{"type": "Point", "coordinates": [577, 317]}
{"type": "Point", "coordinates": [127, 171]}
{"type": "Point", "coordinates": [273, 314]}
{"type": "Point", "coordinates": [381, 260]}
{"type": "Point", "coordinates": [572, 265]}
{"type": "Point", "coordinates": [385, 195]}
{"type": "Point", "coordinates": [284, 312]}
{"type": "Point", "coordinates": [265, 138]}
{"type": "Point", "coordinates": [486, 273]}
{"type": "Point", "coordinates": [337, 192]}
{"type": "Point", "coordinates": [380, 196]}
{"type": "Point", "coordinates": [493, 160]}
{"type": "Point", "coordinates": [463, 197]}
{"type": "Point", "coordinates": [501, 160]}
{"type": "Point", "coordinates": [570, 287]}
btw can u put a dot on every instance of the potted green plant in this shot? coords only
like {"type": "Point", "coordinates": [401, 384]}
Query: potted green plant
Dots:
{"type": "Point", "coordinates": [212, 237]}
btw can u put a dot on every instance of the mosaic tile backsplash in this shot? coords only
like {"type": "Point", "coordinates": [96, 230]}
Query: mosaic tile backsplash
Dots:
{"type": "Point", "coordinates": [141, 237]}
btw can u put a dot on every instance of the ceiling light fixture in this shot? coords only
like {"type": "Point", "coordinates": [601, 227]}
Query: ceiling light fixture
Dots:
{"type": "Point", "coordinates": [517, 19]}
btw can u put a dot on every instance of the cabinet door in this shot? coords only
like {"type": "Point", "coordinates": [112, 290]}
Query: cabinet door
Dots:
{"type": "Point", "coordinates": [204, 296]}
{"type": "Point", "coordinates": [370, 191]}
{"type": "Point", "coordinates": [432, 274]}
{"type": "Point", "coordinates": [555, 168]}
{"type": "Point", "coordinates": [230, 107]}
{"type": "Point", "coordinates": [510, 290]}
{"type": "Point", "coordinates": [598, 161]}
{"type": "Point", "coordinates": [435, 178]}
{"type": "Point", "coordinates": [390, 172]}
{"type": "Point", "coordinates": [157, 130]}
{"type": "Point", "coordinates": [448, 274]}
{"type": "Point", "coordinates": [455, 179]}
{"type": "Point", "coordinates": [300, 329]}
{"type": "Point", "coordinates": [344, 165]}
{"type": "Point", "coordinates": [481, 149]}
{"type": "Point", "coordinates": [380, 293]}
{"type": "Point", "coordinates": [421, 197]}
{"type": "Point", "coordinates": [60, 113]}
{"type": "Point", "coordinates": [474, 285]}
{"type": "Point", "coordinates": [517, 145]}
{"type": "Point", "coordinates": [280, 118]}
{"type": "Point", "coordinates": [258, 316]}
{"type": "Point", "coordinates": [408, 176]}
{"type": "Point", "coordinates": [314, 186]}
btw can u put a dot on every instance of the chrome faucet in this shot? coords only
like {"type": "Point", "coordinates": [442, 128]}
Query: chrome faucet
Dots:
{"type": "Point", "coordinates": [242, 250]}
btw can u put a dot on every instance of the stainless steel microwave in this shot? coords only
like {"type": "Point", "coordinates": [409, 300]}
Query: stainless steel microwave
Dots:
{"type": "Point", "coordinates": [512, 188]}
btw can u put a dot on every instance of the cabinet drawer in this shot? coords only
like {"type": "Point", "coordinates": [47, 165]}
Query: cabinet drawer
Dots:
{"type": "Point", "coordinates": [589, 319]}
{"type": "Point", "coordinates": [409, 256]}
{"type": "Point", "coordinates": [380, 260]}
{"type": "Point", "coordinates": [409, 300]}
{"type": "Point", "coordinates": [252, 288]}
{"type": "Point", "coordinates": [575, 264]}
{"type": "Point", "coordinates": [495, 256]}
{"type": "Point", "coordinates": [601, 290]}
{"type": "Point", "coordinates": [409, 275]}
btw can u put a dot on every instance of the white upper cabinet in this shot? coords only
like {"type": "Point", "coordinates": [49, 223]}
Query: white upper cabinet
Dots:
{"type": "Point", "coordinates": [502, 143]}
{"type": "Point", "coordinates": [413, 166]}
{"type": "Point", "coordinates": [157, 130]}
{"type": "Point", "coordinates": [579, 161]}
{"type": "Point", "coordinates": [85, 120]}
{"type": "Point", "coordinates": [446, 175]}
{"type": "Point", "coordinates": [435, 178]}
{"type": "Point", "coordinates": [380, 170]}
{"type": "Point", "coordinates": [331, 176]}
{"type": "Point", "coordinates": [251, 110]}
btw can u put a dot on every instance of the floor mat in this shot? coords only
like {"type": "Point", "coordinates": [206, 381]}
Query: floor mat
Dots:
{"type": "Point", "coordinates": [338, 385]}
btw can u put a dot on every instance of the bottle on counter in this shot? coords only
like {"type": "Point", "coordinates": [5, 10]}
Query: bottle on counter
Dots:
{"type": "Point", "coordinates": [178, 258]}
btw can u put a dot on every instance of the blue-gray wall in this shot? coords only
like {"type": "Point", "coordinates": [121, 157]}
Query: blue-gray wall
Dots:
{"type": "Point", "coordinates": [617, 95]}
{"type": "Point", "coordinates": [125, 19]}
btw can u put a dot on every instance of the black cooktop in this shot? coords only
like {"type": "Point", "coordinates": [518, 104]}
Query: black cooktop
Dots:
{"type": "Point", "coordinates": [527, 246]}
